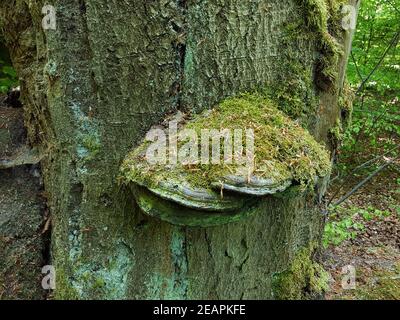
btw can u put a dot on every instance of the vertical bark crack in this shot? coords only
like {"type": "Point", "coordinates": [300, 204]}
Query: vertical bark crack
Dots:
{"type": "Point", "coordinates": [180, 45]}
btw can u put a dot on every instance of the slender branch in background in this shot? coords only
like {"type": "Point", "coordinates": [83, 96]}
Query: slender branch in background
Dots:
{"type": "Point", "coordinates": [355, 64]}
{"type": "Point", "coordinates": [362, 183]}
{"type": "Point", "coordinates": [355, 169]}
{"type": "Point", "coordinates": [394, 41]}
{"type": "Point", "coordinates": [389, 116]}
{"type": "Point", "coordinates": [393, 6]}
{"type": "Point", "coordinates": [374, 122]}
{"type": "Point", "coordinates": [371, 31]}
{"type": "Point", "coordinates": [363, 165]}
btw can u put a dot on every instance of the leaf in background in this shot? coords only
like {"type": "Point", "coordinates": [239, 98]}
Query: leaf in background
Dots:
{"type": "Point", "coordinates": [7, 70]}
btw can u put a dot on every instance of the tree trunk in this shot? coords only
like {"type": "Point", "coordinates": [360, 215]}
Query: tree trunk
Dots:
{"type": "Point", "coordinates": [112, 69]}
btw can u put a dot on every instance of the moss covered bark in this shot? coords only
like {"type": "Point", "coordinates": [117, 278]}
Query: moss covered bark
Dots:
{"type": "Point", "coordinates": [111, 70]}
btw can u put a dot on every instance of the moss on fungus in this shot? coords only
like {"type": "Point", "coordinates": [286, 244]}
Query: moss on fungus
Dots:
{"type": "Point", "coordinates": [283, 149]}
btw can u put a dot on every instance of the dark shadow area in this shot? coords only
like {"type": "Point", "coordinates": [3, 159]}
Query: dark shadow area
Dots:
{"type": "Point", "coordinates": [24, 233]}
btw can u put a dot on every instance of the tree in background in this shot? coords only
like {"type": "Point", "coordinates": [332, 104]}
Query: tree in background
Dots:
{"type": "Point", "coordinates": [374, 73]}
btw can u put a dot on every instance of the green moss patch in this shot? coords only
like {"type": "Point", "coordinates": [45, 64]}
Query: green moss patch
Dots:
{"type": "Point", "coordinates": [323, 19]}
{"type": "Point", "coordinates": [304, 279]}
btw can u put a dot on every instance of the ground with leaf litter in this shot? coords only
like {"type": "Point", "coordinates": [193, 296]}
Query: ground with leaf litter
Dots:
{"type": "Point", "coordinates": [364, 232]}
{"type": "Point", "coordinates": [23, 234]}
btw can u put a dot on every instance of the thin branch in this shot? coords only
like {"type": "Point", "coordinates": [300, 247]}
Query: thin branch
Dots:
{"type": "Point", "coordinates": [393, 6]}
{"type": "Point", "coordinates": [362, 183]}
{"type": "Point", "coordinates": [394, 41]}
{"type": "Point", "coordinates": [363, 165]}
{"type": "Point", "coordinates": [357, 69]}
{"type": "Point", "coordinates": [374, 121]}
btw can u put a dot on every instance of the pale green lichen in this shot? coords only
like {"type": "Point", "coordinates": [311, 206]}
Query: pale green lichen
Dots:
{"type": "Point", "coordinates": [88, 138]}
{"type": "Point", "coordinates": [176, 286]}
{"type": "Point", "coordinates": [108, 281]}
{"type": "Point", "coordinates": [304, 279]}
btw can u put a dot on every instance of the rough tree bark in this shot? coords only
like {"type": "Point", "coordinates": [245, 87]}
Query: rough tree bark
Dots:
{"type": "Point", "coordinates": [112, 69]}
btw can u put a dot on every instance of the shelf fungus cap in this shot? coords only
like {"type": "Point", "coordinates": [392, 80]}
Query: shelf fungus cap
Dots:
{"type": "Point", "coordinates": [252, 185]}
{"type": "Point", "coordinates": [215, 167]}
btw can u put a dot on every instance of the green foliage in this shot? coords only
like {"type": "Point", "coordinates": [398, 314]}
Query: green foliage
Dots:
{"type": "Point", "coordinates": [379, 117]}
{"type": "Point", "coordinates": [342, 227]}
{"type": "Point", "coordinates": [8, 77]}
{"type": "Point", "coordinates": [347, 222]}
{"type": "Point", "coordinates": [372, 213]}
{"type": "Point", "coordinates": [378, 23]}
{"type": "Point", "coordinates": [375, 64]}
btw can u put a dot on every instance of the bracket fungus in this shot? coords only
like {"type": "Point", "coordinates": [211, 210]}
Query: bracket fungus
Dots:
{"type": "Point", "coordinates": [215, 167]}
